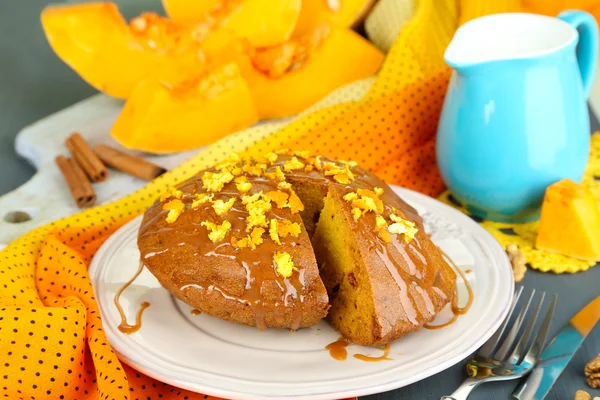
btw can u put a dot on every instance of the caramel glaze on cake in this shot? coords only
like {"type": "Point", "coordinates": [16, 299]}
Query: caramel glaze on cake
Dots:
{"type": "Point", "coordinates": [234, 242]}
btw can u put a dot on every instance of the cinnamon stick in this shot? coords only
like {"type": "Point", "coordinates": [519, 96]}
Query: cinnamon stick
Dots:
{"type": "Point", "coordinates": [85, 157]}
{"type": "Point", "coordinates": [79, 185]}
{"type": "Point", "coordinates": [127, 163]}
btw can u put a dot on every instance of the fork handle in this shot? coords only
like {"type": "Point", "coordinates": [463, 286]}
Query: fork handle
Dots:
{"type": "Point", "coordinates": [464, 390]}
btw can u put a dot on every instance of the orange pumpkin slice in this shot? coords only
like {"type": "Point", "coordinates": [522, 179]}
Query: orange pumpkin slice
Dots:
{"type": "Point", "coordinates": [288, 78]}
{"type": "Point", "coordinates": [189, 12]}
{"type": "Point", "coordinates": [341, 13]}
{"type": "Point", "coordinates": [570, 222]}
{"type": "Point", "coordinates": [261, 22]}
{"type": "Point", "coordinates": [112, 56]}
{"type": "Point", "coordinates": [160, 118]}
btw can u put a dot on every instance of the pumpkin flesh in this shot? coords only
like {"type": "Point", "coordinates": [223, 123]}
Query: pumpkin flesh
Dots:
{"type": "Point", "coordinates": [570, 222]}
{"type": "Point", "coordinates": [288, 78]}
{"type": "Point", "coordinates": [112, 56]}
{"type": "Point", "coordinates": [261, 22]}
{"type": "Point", "coordinates": [160, 118]}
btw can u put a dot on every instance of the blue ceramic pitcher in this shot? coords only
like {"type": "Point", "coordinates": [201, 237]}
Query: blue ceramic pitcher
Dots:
{"type": "Point", "coordinates": [515, 117]}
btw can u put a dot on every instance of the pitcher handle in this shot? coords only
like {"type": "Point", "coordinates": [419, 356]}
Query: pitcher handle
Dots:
{"type": "Point", "coordinates": [587, 49]}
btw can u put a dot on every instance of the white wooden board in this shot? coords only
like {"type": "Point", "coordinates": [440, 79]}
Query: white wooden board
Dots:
{"type": "Point", "coordinates": [46, 197]}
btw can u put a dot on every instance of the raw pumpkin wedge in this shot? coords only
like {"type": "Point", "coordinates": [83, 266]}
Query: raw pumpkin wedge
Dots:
{"type": "Point", "coordinates": [261, 22]}
{"type": "Point", "coordinates": [570, 222]}
{"type": "Point", "coordinates": [113, 56]}
{"type": "Point", "coordinates": [288, 78]}
{"type": "Point", "coordinates": [190, 11]}
{"type": "Point", "coordinates": [160, 118]}
{"type": "Point", "coordinates": [341, 13]}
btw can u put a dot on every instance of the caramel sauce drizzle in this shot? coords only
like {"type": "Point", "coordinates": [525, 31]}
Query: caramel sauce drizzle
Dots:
{"type": "Point", "coordinates": [195, 312]}
{"type": "Point", "coordinates": [124, 326]}
{"type": "Point", "coordinates": [383, 357]}
{"type": "Point", "coordinates": [338, 350]}
{"type": "Point", "coordinates": [456, 310]}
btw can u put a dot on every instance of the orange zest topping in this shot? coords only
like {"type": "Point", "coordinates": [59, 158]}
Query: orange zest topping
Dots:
{"type": "Point", "coordinates": [175, 208]}
{"type": "Point", "coordinates": [201, 198]}
{"type": "Point", "coordinates": [276, 175]}
{"type": "Point", "coordinates": [283, 228]}
{"type": "Point", "coordinates": [216, 232]}
{"type": "Point", "coordinates": [284, 264]}
{"type": "Point", "coordinates": [402, 226]}
{"type": "Point", "coordinates": [171, 192]}
{"type": "Point", "coordinates": [284, 185]}
{"type": "Point", "coordinates": [256, 205]}
{"type": "Point", "coordinates": [278, 197]}
{"type": "Point", "coordinates": [293, 164]}
{"type": "Point", "coordinates": [294, 203]}
{"type": "Point", "coordinates": [230, 161]}
{"type": "Point", "coordinates": [214, 181]}
{"type": "Point", "coordinates": [221, 207]}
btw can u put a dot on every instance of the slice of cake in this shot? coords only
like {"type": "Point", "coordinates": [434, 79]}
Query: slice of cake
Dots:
{"type": "Point", "coordinates": [384, 276]}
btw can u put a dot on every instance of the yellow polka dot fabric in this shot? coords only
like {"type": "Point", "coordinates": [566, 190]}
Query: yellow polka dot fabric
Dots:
{"type": "Point", "coordinates": [52, 344]}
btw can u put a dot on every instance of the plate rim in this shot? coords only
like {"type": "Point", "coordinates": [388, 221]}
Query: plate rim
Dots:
{"type": "Point", "coordinates": [479, 234]}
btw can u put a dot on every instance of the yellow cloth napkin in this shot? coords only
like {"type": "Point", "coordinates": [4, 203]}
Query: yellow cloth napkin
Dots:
{"type": "Point", "coordinates": [51, 340]}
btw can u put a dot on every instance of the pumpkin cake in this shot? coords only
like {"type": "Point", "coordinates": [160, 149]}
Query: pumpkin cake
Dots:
{"type": "Point", "coordinates": [287, 239]}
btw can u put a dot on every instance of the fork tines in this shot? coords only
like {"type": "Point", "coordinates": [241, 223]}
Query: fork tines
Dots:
{"type": "Point", "coordinates": [520, 343]}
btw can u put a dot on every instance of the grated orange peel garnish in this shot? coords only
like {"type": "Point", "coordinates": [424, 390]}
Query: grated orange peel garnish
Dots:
{"type": "Point", "coordinates": [284, 265]}
{"type": "Point", "coordinates": [171, 192]}
{"type": "Point", "coordinates": [175, 208]}
{"type": "Point", "coordinates": [216, 233]}
{"type": "Point", "coordinates": [222, 207]}
{"type": "Point", "coordinates": [293, 164]}
{"type": "Point", "coordinates": [215, 181]}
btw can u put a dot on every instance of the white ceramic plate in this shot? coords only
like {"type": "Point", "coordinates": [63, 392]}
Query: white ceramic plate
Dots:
{"type": "Point", "coordinates": [207, 355]}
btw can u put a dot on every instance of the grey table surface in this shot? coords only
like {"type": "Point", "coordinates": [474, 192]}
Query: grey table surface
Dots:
{"type": "Point", "coordinates": [35, 83]}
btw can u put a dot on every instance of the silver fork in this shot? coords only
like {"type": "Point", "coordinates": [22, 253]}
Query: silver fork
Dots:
{"type": "Point", "coordinates": [514, 356]}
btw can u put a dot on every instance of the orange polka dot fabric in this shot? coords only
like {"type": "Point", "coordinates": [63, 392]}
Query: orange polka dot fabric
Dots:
{"type": "Point", "coordinates": [52, 343]}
